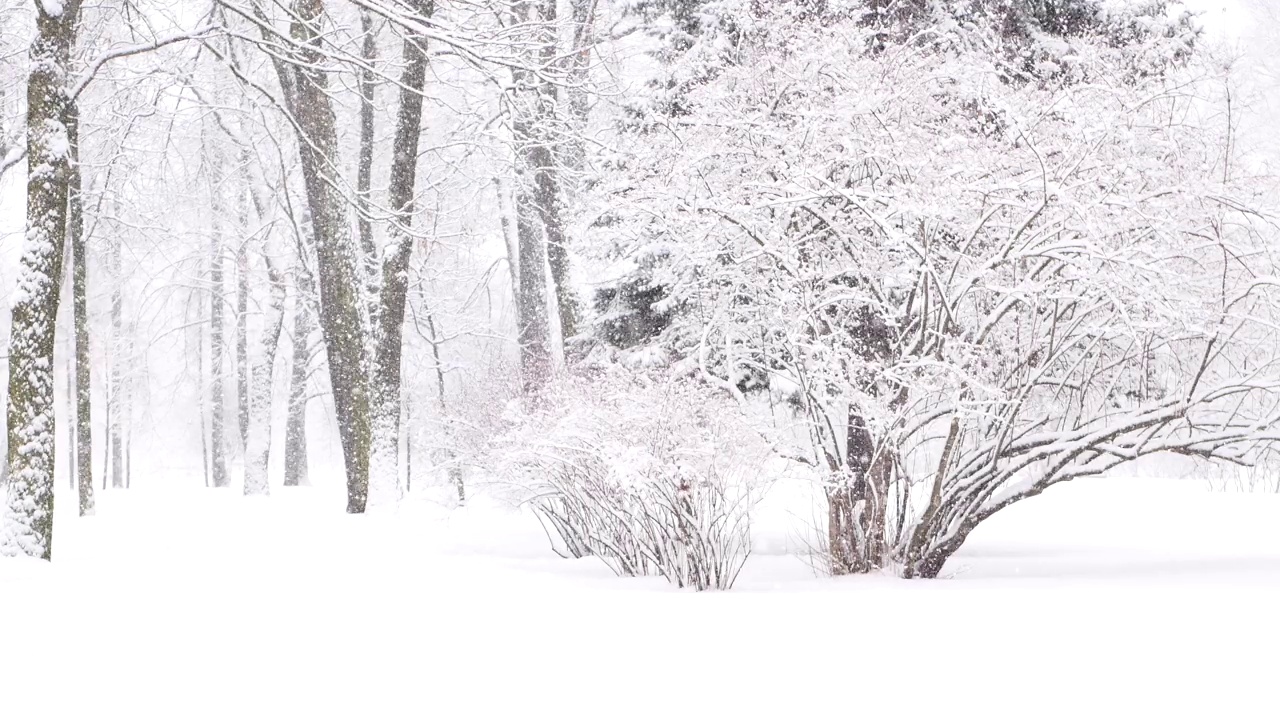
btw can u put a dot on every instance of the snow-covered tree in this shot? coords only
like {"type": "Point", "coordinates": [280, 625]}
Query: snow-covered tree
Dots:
{"type": "Point", "coordinates": [28, 512]}
{"type": "Point", "coordinates": [970, 278]}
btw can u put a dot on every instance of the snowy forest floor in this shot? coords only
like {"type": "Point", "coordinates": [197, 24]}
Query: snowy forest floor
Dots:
{"type": "Point", "coordinates": [1106, 599]}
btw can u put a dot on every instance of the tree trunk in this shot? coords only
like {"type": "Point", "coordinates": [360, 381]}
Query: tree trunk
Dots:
{"type": "Point", "coordinates": [548, 190]}
{"type": "Point", "coordinates": [205, 466]}
{"type": "Point", "coordinates": [451, 455]}
{"type": "Point", "coordinates": [73, 227]}
{"type": "Point", "coordinates": [364, 166]}
{"type": "Point", "coordinates": [548, 198]}
{"type": "Point", "coordinates": [407, 433]}
{"type": "Point", "coordinates": [295, 442]}
{"type": "Point", "coordinates": [395, 269]}
{"type": "Point", "coordinates": [126, 429]}
{"type": "Point", "coordinates": [106, 447]}
{"type": "Point", "coordinates": [573, 158]}
{"type": "Point", "coordinates": [858, 503]}
{"type": "Point", "coordinates": [71, 410]}
{"type": "Point", "coordinates": [530, 114]}
{"type": "Point", "coordinates": [242, 340]}
{"type": "Point", "coordinates": [117, 362]}
{"type": "Point", "coordinates": [258, 448]}
{"type": "Point", "coordinates": [28, 514]}
{"type": "Point", "coordinates": [509, 237]}
{"type": "Point", "coordinates": [532, 326]}
{"type": "Point", "coordinates": [69, 354]}
{"type": "Point", "coordinates": [217, 362]}
{"type": "Point", "coordinates": [344, 333]}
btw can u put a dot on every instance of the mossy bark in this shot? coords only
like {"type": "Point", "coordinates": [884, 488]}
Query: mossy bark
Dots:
{"type": "Point", "coordinates": [28, 521]}
{"type": "Point", "coordinates": [306, 93]}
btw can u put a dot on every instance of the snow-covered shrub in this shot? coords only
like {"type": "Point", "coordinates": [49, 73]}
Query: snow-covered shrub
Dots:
{"type": "Point", "coordinates": [588, 512]}
{"type": "Point", "coordinates": [699, 535]}
{"type": "Point", "coordinates": [672, 522]}
{"type": "Point", "coordinates": [653, 477]}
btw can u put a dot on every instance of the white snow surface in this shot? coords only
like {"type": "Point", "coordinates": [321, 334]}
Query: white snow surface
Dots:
{"type": "Point", "coordinates": [1104, 599]}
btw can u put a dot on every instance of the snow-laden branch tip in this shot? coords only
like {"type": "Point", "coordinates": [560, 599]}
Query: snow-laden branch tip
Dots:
{"type": "Point", "coordinates": [11, 159]}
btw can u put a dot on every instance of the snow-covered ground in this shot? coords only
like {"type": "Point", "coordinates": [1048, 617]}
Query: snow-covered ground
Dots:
{"type": "Point", "coordinates": [1124, 599]}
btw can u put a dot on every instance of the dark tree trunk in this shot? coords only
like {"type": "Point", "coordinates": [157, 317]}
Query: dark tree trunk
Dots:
{"type": "Point", "coordinates": [533, 328]}
{"type": "Point", "coordinates": [547, 196]}
{"type": "Point", "coordinates": [574, 156]}
{"type": "Point", "coordinates": [547, 192]}
{"type": "Point", "coordinates": [367, 87]}
{"type": "Point", "coordinates": [858, 502]}
{"type": "Point", "coordinates": [80, 308]}
{"type": "Point", "coordinates": [305, 85]}
{"type": "Point", "coordinates": [364, 166]}
{"type": "Point", "coordinates": [395, 269]}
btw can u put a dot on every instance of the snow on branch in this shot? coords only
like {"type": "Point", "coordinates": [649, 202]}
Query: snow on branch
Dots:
{"type": "Point", "coordinates": [99, 62]}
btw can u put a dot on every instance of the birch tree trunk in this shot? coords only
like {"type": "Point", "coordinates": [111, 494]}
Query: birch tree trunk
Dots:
{"type": "Point", "coordinates": [388, 337]}
{"type": "Point", "coordinates": [28, 513]}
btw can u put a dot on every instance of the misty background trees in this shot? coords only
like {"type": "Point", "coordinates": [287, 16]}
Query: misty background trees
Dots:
{"type": "Point", "coordinates": [630, 259]}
